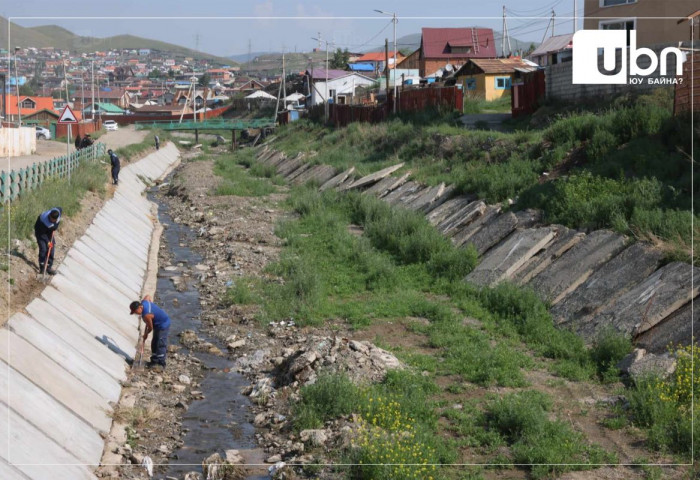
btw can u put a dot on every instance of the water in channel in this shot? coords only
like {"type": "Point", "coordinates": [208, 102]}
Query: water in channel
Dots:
{"type": "Point", "coordinates": [220, 421]}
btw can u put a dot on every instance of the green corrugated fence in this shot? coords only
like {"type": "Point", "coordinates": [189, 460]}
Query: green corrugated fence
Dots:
{"type": "Point", "coordinates": [13, 184]}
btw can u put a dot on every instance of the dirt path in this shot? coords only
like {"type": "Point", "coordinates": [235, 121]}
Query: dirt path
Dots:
{"type": "Point", "coordinates": [45, 150]}
{"type": "Point", "coordinates": [124, 136]}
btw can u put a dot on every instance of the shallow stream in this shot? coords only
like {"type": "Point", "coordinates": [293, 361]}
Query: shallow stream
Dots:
{"type": "Point", "coordinates": [221, 420]}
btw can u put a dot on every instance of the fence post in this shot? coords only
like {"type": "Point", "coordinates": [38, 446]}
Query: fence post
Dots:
{"type": "Point", "coordinates": [3, 187]}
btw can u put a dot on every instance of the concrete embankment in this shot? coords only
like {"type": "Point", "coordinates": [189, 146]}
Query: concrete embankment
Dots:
{"type": "Point", "coordinates": [62, 361]}
{"type": "Point", "coordinates": [593, 281]}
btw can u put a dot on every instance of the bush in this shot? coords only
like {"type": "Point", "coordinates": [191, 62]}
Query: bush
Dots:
{"type": "Point", "coordinates": [331, 396]}
{"type": "Point", "coordinates": [608, 349]}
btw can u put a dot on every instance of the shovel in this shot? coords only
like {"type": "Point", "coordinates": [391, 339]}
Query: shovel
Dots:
{"type": "Point", "coordinates": [48, 255]}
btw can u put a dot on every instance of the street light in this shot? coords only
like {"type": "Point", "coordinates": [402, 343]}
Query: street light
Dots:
{"type": "Point", "coordinates": [325, 107]}
{"type": "Point", "coordinates": [393, 20]}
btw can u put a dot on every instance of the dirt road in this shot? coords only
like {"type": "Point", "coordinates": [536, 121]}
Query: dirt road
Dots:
{"type": "Point", "coordinates": [122, 137]}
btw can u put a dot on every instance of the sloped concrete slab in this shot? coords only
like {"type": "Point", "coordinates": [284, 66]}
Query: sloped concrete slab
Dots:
{"type": "Point", "coordinates": [449, 207]}
{"type": "Point", "coordinates": [461, 235]}
{"type": "Point", "coordinates": [319, 174]}
{"type": "Point", "coordinates": [409, 197]}
{"type": "Point", "coordinates": [273, 158]}
{"type": "Point", "coordinates": [372, 178]}
{"type": "Point", "coordinates": [564, 240]}
{"type": "Point", "coordinates": [677, 329]}
{"type": "Point", "coordinates": [121, 344]}
{"type": "Point", "coordinates": [305, 167]}
{"type": "Point", "coordinates": [406, 190]}
{"type": "Point", "coordinates": [289, 165]}
{"type": "Point", "coordinates": [94, 285]}
{"type": "Point", "coordinates": [115, 315]}
{"type": "Point", "coordinates": [387, 185]}
{"type": "Point", "coordinates": [501, 262]}
{"type": "Point", "coordinates": [76, 260]}
{"type": "Point", "coordinates": [493, 232]}
{"type": "Point", "coordinates": [627, 269]}
{"type": "Point", "coordinates": [130, 278]}
{"type": "Point", "coordinates": [50, 417]}
{"type": "Point", "coordinates": [445, 195]}
{"type": "Point", "coordinates": [461, 217]}
{"type": "Point", "coordinates": [115, 248]}
{"type": "Point", "coordinates": [528, 218]}
{"type": "Point", "coordinates": [55, 380]}
{"type": "Point", "coordinates": [31, 453]}
{"type": "Point", "coordinates": [139, 247]}
{"type": "Point", "coordinates": [650, 302]}
{"type": "Point", "coordinates": [8, 471]}
{"type": "Point", "coordinates": [429, 196]}
{"type": "Point", "coordinates": [66, 355]}
{"type": "Point", "coordinates": [575, 266]}
{"type": "Point", "coordinates": [338, 179]}
{"type": "Point", "coordinates": [71, 333]}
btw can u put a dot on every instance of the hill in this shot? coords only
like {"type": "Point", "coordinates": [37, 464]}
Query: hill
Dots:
{"type": "Point", "coordinates": [412, 41]}
{"type": "Point", "coordinates": [271, 63]}
{"type": "Point", "coordinates": [59, 37]}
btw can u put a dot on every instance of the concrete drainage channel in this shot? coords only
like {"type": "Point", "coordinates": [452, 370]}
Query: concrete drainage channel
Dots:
{"type": "Point", "coordinates": [63, 361]}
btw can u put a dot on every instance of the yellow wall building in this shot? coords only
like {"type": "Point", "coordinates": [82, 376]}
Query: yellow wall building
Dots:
{"type": "Point", "coordinates": [489, 79]}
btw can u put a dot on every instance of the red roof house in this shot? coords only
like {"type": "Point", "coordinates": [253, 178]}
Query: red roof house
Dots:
{"type": "Point", "coordinates": [440, 46]}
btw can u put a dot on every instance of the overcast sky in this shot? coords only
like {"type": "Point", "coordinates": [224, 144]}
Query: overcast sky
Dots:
{"type": "Point", "coordinates": [349, 24]}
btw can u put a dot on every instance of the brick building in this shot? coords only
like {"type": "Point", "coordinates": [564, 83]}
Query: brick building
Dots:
{"type": "Point", "coordinates": [440, 46]}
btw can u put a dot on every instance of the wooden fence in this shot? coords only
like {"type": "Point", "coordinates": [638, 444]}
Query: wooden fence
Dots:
{"type": "Point", "coordinates": [15, 142]}
{"type": "Point", "coordinates": [687, 95]}
{"type": "Point", "coordinates": [17, 182]}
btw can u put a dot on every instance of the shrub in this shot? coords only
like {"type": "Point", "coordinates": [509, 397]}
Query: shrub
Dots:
{"type": "Point", "coordinates": [608, 349]}
{"type": "Point", "coordinates": [331, 396]}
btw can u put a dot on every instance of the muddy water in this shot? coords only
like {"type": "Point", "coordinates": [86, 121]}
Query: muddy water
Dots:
{"type": "Point", "coordinates": [222, 420]}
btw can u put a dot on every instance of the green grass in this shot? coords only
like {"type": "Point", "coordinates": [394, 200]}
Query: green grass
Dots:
{"type": "Point", "coordinates": [237, 181]}
{"type": "Point", "coordinates": [135, 151]}
{"type": "Point", "coordinates": [56, 192]}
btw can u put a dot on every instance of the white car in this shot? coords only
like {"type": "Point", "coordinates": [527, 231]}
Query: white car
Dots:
{"type": "Point", "coordinates": [43, 133]}
{"type": "Point", "coordinates": [110, 125]}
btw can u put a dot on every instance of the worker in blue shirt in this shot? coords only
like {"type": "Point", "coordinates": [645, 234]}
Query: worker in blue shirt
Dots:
{"type": "Point", "coordinates": [156, 321]}
{"type": "Point", "coordinates": [44, 227]}
{"type": "Point", "coordinates": [116, 165]}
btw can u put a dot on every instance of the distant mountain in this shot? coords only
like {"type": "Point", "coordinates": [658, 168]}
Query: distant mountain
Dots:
{"type": "Point", "coordinates": [59, 37]}
{"type": "Point", "coordinates": [244, 57]}
{"type": "Point", "coordinates": [412, 42]}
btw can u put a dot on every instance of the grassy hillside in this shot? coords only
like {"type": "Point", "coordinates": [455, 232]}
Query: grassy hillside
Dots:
{"type": "Point", "coordinates": [294, 62]}
{"type": "Point", "coordinates": [59, 37]}
{"type": "Point", "coordinates": [623, 165]}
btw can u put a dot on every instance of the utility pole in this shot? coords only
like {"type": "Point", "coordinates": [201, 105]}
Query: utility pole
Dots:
{"type": "Point", "coordinates": [575, 15]}
{"type": "Point", "coordinates": [92, 105]}
{"type": "Point", "coordinates": [19, 105]}
{"type": "Point", "coordinates": [503, 30]}
{"type": "Point", "coordinates": [386, 60]}
{"type": "Point", "coordinates": [553, 17]}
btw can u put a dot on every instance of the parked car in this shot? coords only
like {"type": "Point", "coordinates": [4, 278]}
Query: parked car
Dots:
{"type": "Point", "coordinates": [110, 125]}
{"type": "Point", "coordinates": [43, 133]}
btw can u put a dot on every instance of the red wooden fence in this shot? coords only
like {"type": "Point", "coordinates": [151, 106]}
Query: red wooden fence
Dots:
{"type": "Point", "coordinates": [690, 80]}
{"type": "Point", "coordinates": [525, 97]}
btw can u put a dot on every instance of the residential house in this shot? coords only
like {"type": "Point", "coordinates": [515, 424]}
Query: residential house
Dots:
{"type": "Point", "coordinates": [554, 50]}
{"type": "Point", "coordinates": [489, 78]}
{"type": "Point", "coordinates": [161, 110]}
{"type": "Point", "coordinates": [28, 105]}
{"type": "Point", "coordinates": [219, 75]}
{"type": "Point", "coordinates": [247, 85]}
{"type": "Point", "coordinates": [378, 60]}
{"type": "Point", "coordinates": [456, 46]}
{"type": "Point", "coordinates": [340, 88]}
{"type": "Point", "coordinates": [117, 96]}
{"type": "Point", "coordinates": [102, 108]}
{"type": "Point", "coordinates": [644, 16]}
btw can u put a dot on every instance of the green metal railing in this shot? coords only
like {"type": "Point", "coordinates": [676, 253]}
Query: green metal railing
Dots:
{"type": "Point", "coordinates": [22, 180]}
{"type": "Point", "coordinates": [215, 124]}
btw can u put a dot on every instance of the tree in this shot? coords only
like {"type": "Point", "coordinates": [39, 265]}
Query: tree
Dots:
{"type": "Point", "coordinates": [340, 59]}
{"type": "Point", "coordinates": [204, 80]}
{"type": "Point", "coordinates": [155, 73]}
{"type": "Point", "coordinates": [27, 90]}
{"type": "Point", "coordinates": [171, 73]}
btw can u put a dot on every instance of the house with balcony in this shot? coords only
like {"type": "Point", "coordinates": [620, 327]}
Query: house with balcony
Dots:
{"type": "Point", "coordinates": [644, 16]}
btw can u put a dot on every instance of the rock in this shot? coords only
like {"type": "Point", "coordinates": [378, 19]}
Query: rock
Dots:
{"type": "Point", "coordinates": [358, 346]}
{"type": "Point", "coordinates": [164, 449]}
{"type": "Point", "coordinates": [302, 361]}
{"type": "Point", "coordinates": [179, 388]}
{"type": "Point", "coordinates": [260, 420]}
{"type": "Point", "coordinates": [233, 457]}
{"type": "Point", "coordinates": [184, 379]}
{"type": "Point", "coordinates": [314, 437]}
{"type": "Point", "coordinates": [193, 476]}
{"type": "Point", "coordinates": [274, 459]}
{"type": "Point", "coordinates": [236, 344]}
{"type": "Point", "coordinates": [651, 364]}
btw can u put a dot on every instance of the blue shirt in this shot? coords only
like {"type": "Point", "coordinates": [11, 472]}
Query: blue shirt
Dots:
{"type": "Point", "coordinates": [161, 320]}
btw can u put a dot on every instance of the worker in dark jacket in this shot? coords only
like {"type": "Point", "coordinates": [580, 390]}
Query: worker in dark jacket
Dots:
{"type": "Point", "coordinates": [114, 160]}
{"type": "Point", "coordinates": [86, 142]}
{"type": "Point", "coordinates": [44, 228]}
{"type": "Point", "coordinates": [78, 142]}
{"type": "Point", "coordinates": [156, 321]}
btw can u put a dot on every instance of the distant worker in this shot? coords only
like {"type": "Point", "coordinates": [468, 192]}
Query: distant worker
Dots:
{"type": "Point", "coordinates": [44, 229]}
{"type": "Point", "coordinates": [78, 141]}
{"type": "Point", "coordinates": [156, 321]}
{"type": "Point", "coordinates": [116, 166]}
{"type": "Point", "coordinates": [86, 142]}
{"type": "Point", "coordinates": [157, 142]}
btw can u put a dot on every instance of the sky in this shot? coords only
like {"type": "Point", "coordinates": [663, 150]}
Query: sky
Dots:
{"type": "Point", "coordinates": [232, 27]}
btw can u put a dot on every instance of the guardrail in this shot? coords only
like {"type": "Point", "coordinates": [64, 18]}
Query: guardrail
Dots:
{"type": "Point", "coordinates": [22, 180]}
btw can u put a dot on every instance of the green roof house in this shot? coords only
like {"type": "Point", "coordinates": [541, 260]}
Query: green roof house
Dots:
{"type": "Point", "coordinates": [103, 107]}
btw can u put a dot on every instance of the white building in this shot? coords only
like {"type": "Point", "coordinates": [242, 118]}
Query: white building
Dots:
{"type": "Point", "coordinates": [341, 85]}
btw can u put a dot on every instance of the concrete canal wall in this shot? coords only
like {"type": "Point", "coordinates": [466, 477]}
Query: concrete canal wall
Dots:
{"type": "Point", "coordinates": [62, 361]}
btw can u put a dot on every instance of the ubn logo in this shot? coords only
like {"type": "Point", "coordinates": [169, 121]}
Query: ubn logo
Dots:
{"type": "Point", "coordinates": [586, 44]}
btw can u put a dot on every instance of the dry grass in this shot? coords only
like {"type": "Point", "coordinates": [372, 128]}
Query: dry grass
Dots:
{"type": "Point", "coordinates": [137, 416]}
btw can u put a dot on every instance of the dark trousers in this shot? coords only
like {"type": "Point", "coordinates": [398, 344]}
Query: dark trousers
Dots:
{"type": "Point", "coordinates": [159, 345]}
{"type": "Point", "coordinates": [115, 175]}
{"type": "Point", "coordinates": [43, 241]}
{"type": "Point", "coordinates": [157, 145]}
